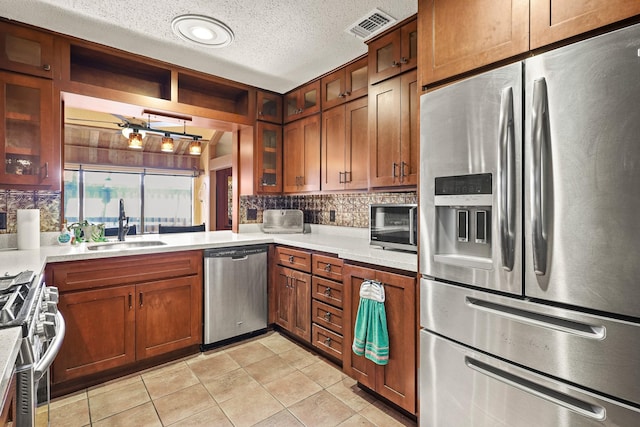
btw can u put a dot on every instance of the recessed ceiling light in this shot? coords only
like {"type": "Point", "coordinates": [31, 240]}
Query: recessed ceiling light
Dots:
{"type": "Point", "coordinates": [202, 30]}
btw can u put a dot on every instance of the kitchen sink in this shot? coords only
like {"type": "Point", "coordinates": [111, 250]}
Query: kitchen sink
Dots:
{"type": "Point", "coordinates": [115, 246]}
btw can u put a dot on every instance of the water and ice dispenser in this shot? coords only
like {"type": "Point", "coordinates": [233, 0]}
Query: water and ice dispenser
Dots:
{"type": "Point", "coordinates": [464, 206]}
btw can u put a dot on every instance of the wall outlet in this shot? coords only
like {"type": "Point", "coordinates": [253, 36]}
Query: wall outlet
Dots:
{"type": "Point", "coordinates": [332, 216]}
{"type": "Point", "coordinates": [252, 214]}
{"type": "Point", "coordinates": [3, 220]}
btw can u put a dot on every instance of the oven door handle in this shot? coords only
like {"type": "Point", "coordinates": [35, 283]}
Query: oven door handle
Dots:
{"type": "Point", "coordinates": [51, 353]}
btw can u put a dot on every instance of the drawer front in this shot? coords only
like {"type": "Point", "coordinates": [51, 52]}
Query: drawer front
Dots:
{"type": "Point", "coordinates": [327, 291]}
{"type": "Point", "coordinates": [327, 266]}
{"type": "Point", "coordinates": [327, 316]}
{"type": "Point", "coordinates": [327, 341]}
{"type": "Point", "coordinates": [122, 270]}
{"type": "Point", "coordinates": [293, 258]}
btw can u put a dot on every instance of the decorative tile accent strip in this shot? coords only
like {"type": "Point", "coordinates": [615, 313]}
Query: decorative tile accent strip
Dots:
{"type": "Point", "coordinates": [48, 202]}
{"type": "Point", "coordinates": [351, 210]}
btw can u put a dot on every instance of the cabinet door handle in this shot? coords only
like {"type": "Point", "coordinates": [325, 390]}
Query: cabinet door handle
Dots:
{"type": "Point", "coordinates": [130, 301]}
{"type": "Point", "coordinates": [327, 316]}
{"type": "Point", "coordinates": [402, 173]}
{"type": "Point", "coordinates": [393, 172]}
{"type": "Point", "coordinates": [327, 341]}
{"type": "Point", "coordinates": [141, 301]}
{"type": "Point", "coordinates": [404, 60]}
{"type": "Point", "coordinates": [340, 181]}
{"type": "Point", "coordinates": [46, 67]}
{"type": "Point", "coordinates": [341, 95]}
{"type": "Point", "coordinates": [395, 64]}
{"type": "Point", "coordinates": [46, 170]}
{"type": "Point", "coordinates": [347, 179]}
{"type": "Point", "coordinates": [260, 113]}
{"type": "Point", "coordinates": [347, 93]}
{"type": "Point", "coordinates": [327, 292]}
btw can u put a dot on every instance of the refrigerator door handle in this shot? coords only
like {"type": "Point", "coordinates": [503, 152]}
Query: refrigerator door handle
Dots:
{"type": "Point", "coordinates": [540, 141]}
{"type": "Point", "coordinates": [507, 179]}
{"type": "Point", "coordinates": [584, 330]}
{"type": "Point", "coordinates": [557, 397]}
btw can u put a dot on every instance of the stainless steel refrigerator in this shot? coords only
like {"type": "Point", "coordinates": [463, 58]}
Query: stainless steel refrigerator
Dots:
{"type": "Point", "coordinates": [530, 241]}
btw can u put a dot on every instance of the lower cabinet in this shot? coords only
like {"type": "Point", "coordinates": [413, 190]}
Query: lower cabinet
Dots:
{"type": "Point", "coordinates": [395, 381]}
{"type": "Point", "coordinates": [8, 404]}
{"type": "Point", "coordinates": [118, 314]}
{"type": "Point", "coordinates": [293, 289]}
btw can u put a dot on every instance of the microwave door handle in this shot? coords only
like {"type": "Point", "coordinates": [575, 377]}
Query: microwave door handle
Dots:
{"type": "Point", "coordinates": [412, 226]}
{"type": "Point", "coordinates": [507, 179]}
{"type": "Point", "coordinates": [539, 141]}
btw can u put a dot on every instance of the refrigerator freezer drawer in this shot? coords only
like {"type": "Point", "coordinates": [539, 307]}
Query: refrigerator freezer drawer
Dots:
{"type": "Point", "coordinates": [463, 387]}
{"type": "Point", "coordinates": [596, 352]}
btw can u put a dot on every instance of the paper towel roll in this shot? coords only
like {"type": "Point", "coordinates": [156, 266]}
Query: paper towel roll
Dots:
{"type": "Point", "coordinates": [28, 228]}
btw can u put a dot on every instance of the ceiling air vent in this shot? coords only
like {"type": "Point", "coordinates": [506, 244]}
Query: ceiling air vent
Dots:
{"type": "Point", "coordinates": [370, 24]}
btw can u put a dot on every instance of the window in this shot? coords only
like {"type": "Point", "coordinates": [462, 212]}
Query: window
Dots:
{"type": "Point", "coordinates": [149, 199]}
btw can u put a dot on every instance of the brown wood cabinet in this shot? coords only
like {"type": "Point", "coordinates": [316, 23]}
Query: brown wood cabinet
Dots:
{"type": "Point", "coordinates": [393, 53]}
{"type": "Point", "coordinates": [268, 107]}
{"type": "Point", "coordinates": [345, 145]}
{"type": "Point", "coordinates": [346, 84]}
{"type": "Point", "coordinates": [293, 291]}
{"type": "Point", "coordinates": [393, 132]}
{"type": "Point", "coordinates": [395, 381]}
{"type": "Point", "coordinates": [268, 158]}
{"type": "Point", "coordinates": [302, 102]}
{"type": "Point", "coordinates": [458, 36]}
{"type": "Point", "coordinates": [301, 167]}
{"type": "Point", "coordinates": [552, 21]}
{"type": "Point", "coordinates": [27, 51]}
{"type": "Point", "coordinates": [327, 305]}
{"type": "Point", "coordinates": [8, 404]}
{"type": "Point", "coordinates": [118, 314]}
{"type": "Point", "coordinates": [29, 148]}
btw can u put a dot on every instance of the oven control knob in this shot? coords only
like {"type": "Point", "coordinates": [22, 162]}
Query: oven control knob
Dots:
{"type": "Point", "coordinates": [51, 294]}
{"type": "Point", "coordinates": [46, 327]}
{"type": "Point", "coordinates": [49, 307]}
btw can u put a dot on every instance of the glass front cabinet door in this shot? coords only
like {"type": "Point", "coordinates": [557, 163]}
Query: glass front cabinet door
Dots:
{"type": "Point", "coordinates": [269, 158]}
{"type": "Point", "coordinates": [27, 131]}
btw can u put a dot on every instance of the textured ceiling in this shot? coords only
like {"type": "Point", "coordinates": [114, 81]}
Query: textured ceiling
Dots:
{"type": "Point", "coordinates": [278, 45]}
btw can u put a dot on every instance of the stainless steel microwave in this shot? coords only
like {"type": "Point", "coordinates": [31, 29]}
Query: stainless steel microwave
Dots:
{"type": "Point", "coordinates": [394, 226]}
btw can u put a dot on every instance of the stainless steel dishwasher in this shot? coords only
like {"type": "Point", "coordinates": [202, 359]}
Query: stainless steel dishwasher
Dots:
{"type": "Point", "coordinates": [235, 292]}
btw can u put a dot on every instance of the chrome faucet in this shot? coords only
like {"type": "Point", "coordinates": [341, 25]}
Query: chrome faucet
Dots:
{"type": "Point", "coordinates": [123, 228]}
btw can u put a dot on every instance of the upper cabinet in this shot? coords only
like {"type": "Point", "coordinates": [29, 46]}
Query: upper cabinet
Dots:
{"type": "Point", "coordinates": [457, 36]}
{"type": "Point", "coordinates": [393, 53]}
{"type": "Point", "coordinates": [28, 145]}
{"type": "Point", "coordinates": [552, 21]}
{"type": "Point", "coordinates": [301, 171]}
{"type": "Point", "coordinates": [345, 84]}
{"type": "Point", "coordinates": [269, 107]}
{"type": "Point", "coordinates": [268, 152]}
{"type": "Point", "coordinates": [302, 102]}
{"type": "Point", "coordinates": [26, 51]}
{"type": "Point", "coordinates": [393, 132]}
{"type": "Point", "coordinates": [344, 145]}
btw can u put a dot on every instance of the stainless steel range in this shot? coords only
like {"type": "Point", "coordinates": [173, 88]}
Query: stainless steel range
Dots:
{"type": "Point", "coordinates": [26, 302]}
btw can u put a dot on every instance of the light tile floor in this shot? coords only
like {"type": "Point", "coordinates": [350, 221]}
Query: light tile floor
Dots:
{"type": "Point", "coordinates": [267, 381]}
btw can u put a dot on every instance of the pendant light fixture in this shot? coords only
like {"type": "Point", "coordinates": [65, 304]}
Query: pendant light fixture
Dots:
{"type": "Point", "coordinates": [135, 139]}
{"type": "Point", "coordinates": [195, 148]}
{"type": "Point", "coordinates": [167, 144]}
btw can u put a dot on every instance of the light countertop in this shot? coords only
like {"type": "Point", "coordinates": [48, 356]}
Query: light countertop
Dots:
{"type": "Point", "coordinates": [349, 244]}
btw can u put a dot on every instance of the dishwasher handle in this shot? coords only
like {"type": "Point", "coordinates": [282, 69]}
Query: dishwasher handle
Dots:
{"type": "Point", "coordinates": [236, 253]}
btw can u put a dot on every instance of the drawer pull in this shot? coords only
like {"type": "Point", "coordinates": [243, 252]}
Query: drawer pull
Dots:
{"type": "Point", "coordinates": [327, 341]}
{"type": "Point", "coordinates": [291, 259]}
{"type": "Point", "coordinates": [327, 292]}
{"type": "Point", "coordinates": [327, 268]}
{"type": "Point", "coordinates": [327, 316]}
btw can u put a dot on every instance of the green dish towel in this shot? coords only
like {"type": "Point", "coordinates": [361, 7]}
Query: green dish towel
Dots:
{"type": "Point", "coordinates": [371, 337]}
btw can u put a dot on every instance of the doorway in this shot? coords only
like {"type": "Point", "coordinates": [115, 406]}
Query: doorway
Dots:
{"type": "Point", "coordinates": [224, 199]}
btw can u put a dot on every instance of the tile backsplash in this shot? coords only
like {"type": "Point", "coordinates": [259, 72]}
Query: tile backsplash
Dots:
{"type": "Point", "coordinates": [350, 210]}
{"type": "Point", "coordinates": [49, 203]}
